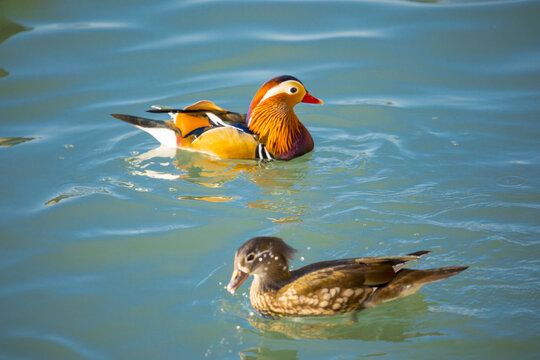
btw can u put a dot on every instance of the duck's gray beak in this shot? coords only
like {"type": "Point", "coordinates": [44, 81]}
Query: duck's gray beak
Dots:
{"type": "Point", "coordinates": [238, 277]}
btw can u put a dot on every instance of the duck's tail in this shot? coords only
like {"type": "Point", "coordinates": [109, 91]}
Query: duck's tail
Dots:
{"type": "Point", "coordinates": [408, 281]}
{"type": "Point", "coordinates": [164, 131]}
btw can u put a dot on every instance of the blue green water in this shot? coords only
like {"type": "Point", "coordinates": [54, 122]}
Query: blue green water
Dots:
{"type": "Point", "coordinates": [428, 140]}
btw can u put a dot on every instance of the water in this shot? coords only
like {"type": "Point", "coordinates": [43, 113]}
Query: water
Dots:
{"type": "Point", "coordinates": [428, 139]}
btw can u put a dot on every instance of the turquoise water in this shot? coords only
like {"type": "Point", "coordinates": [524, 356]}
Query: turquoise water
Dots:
{"type": "Point", "coordinates": [428, 139]}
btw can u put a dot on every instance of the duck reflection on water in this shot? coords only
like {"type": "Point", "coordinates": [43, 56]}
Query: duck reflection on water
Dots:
{"type": "Point", "coordinates": [277, 182]}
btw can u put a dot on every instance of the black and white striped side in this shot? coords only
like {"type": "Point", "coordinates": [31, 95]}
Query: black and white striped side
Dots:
{"type": "Point", "coordinates": [262, 154]}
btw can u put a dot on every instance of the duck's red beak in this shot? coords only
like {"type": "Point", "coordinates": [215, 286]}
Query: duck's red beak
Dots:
{"type": "Point", "coordinates": [308, 98]}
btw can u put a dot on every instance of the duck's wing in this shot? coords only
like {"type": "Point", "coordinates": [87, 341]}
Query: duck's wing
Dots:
{"type": "Point", "coordinates": [338, 286]}
{"type": "Point", "coordinates": [397, 262]}
{"type": "Point", "coordinates": [201, 116]}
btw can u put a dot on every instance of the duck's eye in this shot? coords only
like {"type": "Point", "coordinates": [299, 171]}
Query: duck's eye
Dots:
{"type": "Point", "coordinates": [250, 257]}
{"type": "Point", "coordinates": [293, 90]}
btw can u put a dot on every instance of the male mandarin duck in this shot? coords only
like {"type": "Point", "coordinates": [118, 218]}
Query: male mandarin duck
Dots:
{"type": "Point", "coordinates": [327, 287]}
{"type": "Point", "coordinates": [270, 129]}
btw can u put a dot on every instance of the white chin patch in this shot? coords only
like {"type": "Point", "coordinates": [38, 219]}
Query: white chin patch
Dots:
{"type": "Point", "coordinates": [166, 137]}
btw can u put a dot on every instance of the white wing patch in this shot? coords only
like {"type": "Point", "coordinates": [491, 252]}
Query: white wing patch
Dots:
{"type": "Point", "coordinates": [217, 120]}
{"type": "Point", "coordinates": [165, 136]}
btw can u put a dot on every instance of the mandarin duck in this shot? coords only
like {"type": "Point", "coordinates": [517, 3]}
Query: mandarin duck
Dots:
{"type": "Point", "coordinates": [269, 130]}
{"type": "Point", "coordinates": [327, 287]}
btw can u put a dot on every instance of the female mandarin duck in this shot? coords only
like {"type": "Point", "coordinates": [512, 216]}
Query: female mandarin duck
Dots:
{"type": "Point", "coordinates": [328, 287]}
{"type": "Point", "coordinates": [270, 130]}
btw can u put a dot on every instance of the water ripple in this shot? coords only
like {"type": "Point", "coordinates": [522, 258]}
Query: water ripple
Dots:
{"type": "Point", "coordinates": [172, 41]}
{"type": "Point", "coordinates": [330, 35]}
{"type": "Point", "coordinates": [63, 346]}
{"type": "Point", "coordinates": [80, 26]}
{"type": "Point", "coordinates": [143, 230]}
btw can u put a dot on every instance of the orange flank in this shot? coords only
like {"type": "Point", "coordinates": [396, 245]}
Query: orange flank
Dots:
{"type": "Point", "coordinates": [226, 143]}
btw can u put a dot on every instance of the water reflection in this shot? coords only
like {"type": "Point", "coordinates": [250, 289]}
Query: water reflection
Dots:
{"type": "Point", "coordinates": [8, 28]}
{"type": "Point", "coordinates": [77, 191]}
{"type": "Point", "coordinates": [277, 180]}
{"type": "Point", "coordinates": [12, 141]}
{"type": "Point", "coordinates": [262, 353]}
{"type": "Point", "coordinates": [283, 203]}
{"type": "Point", "coordinates": [392, 322]}
{"type": "Point", "coordinates": [196, 168]}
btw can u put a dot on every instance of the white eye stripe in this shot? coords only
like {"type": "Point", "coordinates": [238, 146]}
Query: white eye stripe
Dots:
{"type": "Point", "coordinates": [284, 87]}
